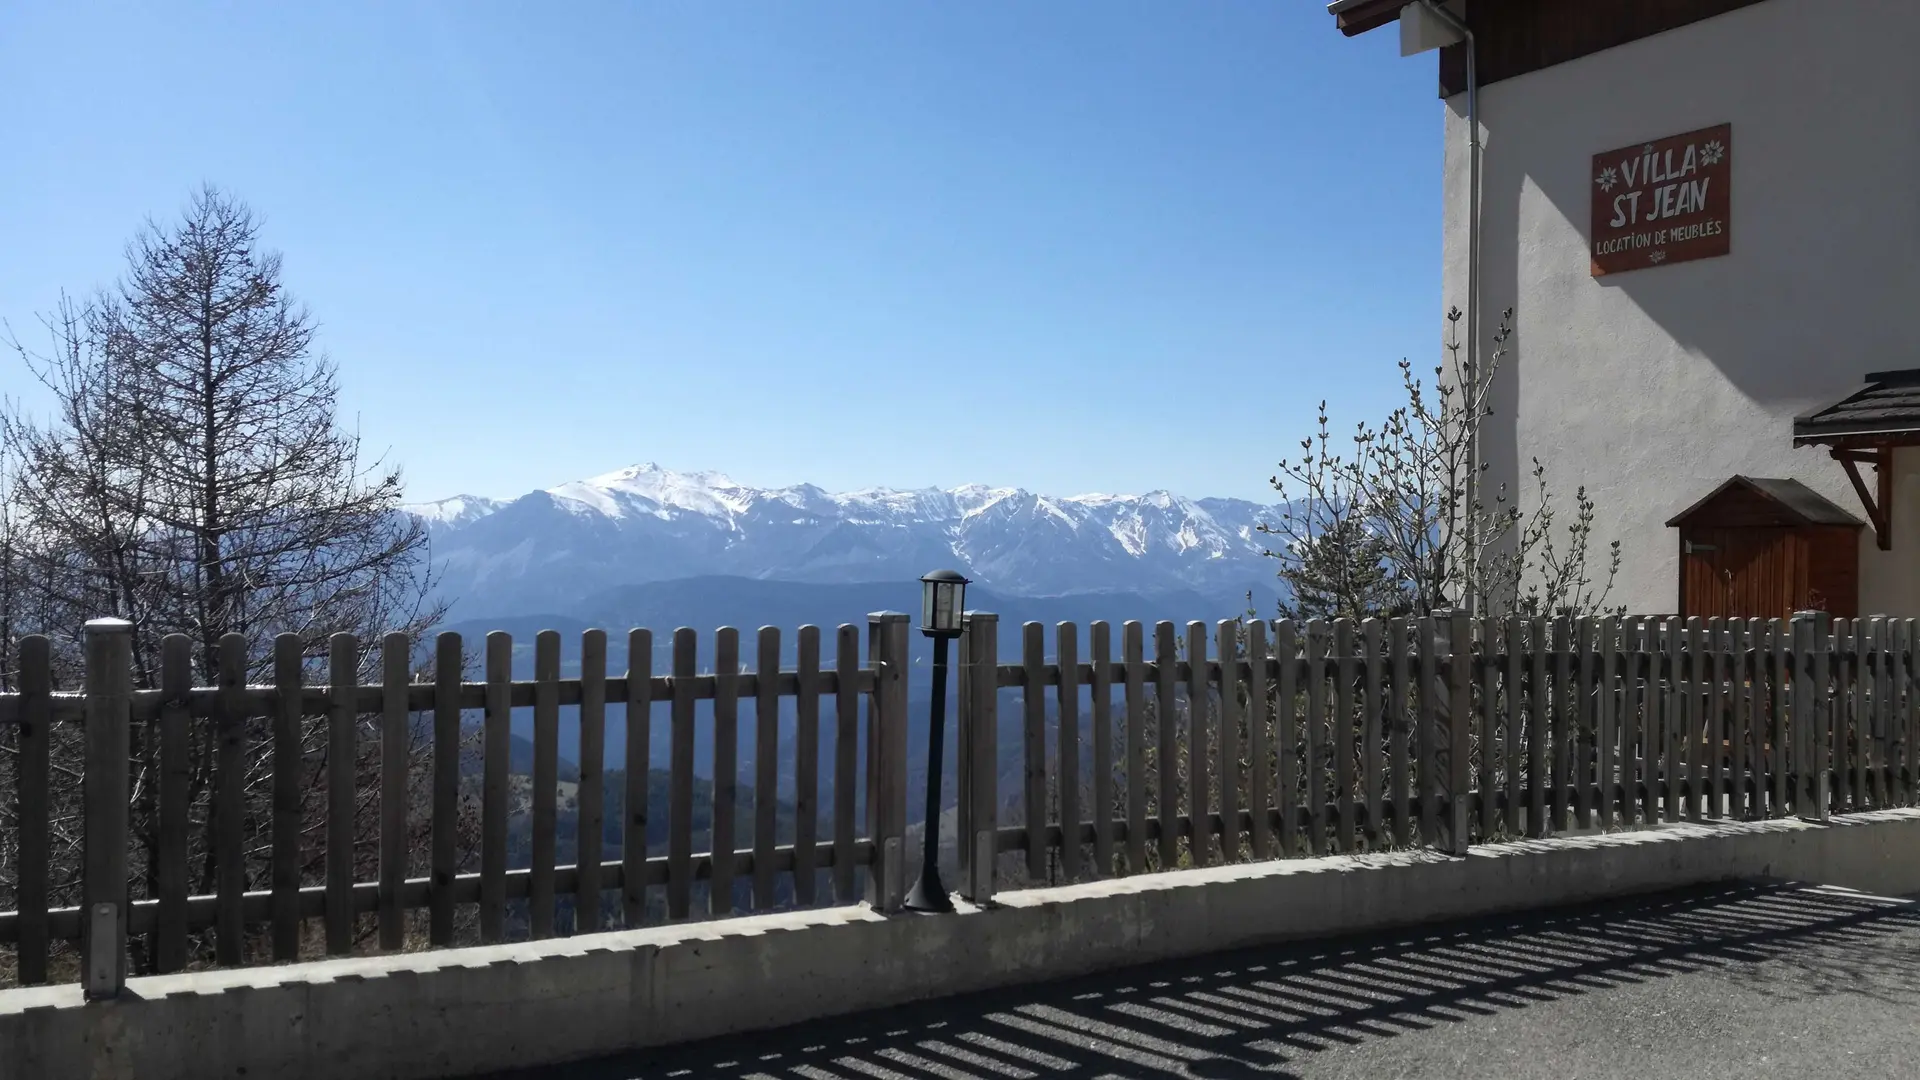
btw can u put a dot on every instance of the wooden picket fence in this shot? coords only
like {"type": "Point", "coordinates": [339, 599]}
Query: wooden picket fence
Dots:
{"type": "Point", "coordinates": [1349, 736]}
{"type": "Point", "coordinates": [1231, 741]}
{"type": "Point", "coordinates": [108, 711]}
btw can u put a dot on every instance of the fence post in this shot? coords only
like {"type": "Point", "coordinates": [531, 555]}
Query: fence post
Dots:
{"type": "Point", "coordinates": [979, 832]}
{"type": "Point", "coordinates": [103, 925]}
{"type": "Point", "coordinates": [887, 759]}
{"type": "Point", "coordinates": [1811, 642]}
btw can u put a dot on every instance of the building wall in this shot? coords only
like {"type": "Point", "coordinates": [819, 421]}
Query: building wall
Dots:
{"type": "Point", "coordinates": [1652, 387]}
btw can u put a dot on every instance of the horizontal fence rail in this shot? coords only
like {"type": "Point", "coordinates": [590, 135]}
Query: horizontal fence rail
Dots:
{"type": "Point", "coordinates": [326, 811]}
{"type": "Point", "coordinates": [376, 798]}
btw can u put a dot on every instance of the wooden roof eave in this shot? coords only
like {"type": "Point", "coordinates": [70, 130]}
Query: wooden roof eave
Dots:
{"type": "Point", "coordinates": [1354, 19]}
{"type": "Point", "coordinates": [1862, 438]}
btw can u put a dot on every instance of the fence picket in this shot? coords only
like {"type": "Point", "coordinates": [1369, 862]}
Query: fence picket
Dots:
{"type": "Point", "coordinates": [1100, 652]}
{"type": "Point", "coordinates": [686, 646]}
{"type": "Point", "coordinates": [1539, 713]}
{"type": "Point", "coordinates": [1260, 750]}
{"type": "Point", "coordinates": [396, 664]}
{"type": "Point", "coordinates": [1828, 713]}
{"type": "Point", "coordinates": [449, 664]}
{"type": "Point", "coordinates": [1317, 736]}
{"type": "Point", "coordinates": [593, 751]}
{"type": "Point", "coordinates": [1846, 703]}
{"type": "Point", "coordinates": [1458, 748]}
{"type": "Point", "coordinates": [1563, 714]}
{"type": "Point", "coordinates": [546, 780]}
{"type": "Point", "coordinates": [1067, 761]}
{"type": "Point", "coordinates": [979, 837]}
{"type": "Point", "coordinates": [495, 751]}
{"type": "Point", "coordinates": [1033, 698]}
{"type": "Point", "coordinates": [1199, 759]}
{"type": "Point", "coordinates": [1514, 725]}
{"type": "Point", "coordinates": [1372, 748]}
{"type": "Point", "coordinates": [1134, 662]}
{"type": "Point", "coordinates": [1399, 763]}
{"type": "Point", "coordinates": [1166, 663]}
{"type": "Point", "coordinates": [1586, 690]}
{"type": "Point", "coordinates": [1870, 793]}
{"type": "Point", "coordinates": [1342, 742]}
{"type": "Point", "coordinates": [176, 679]}
{"type": "Point", "coordinates": [1804, 711]}
{"type": "Point", "coordinates": [1635, 798]}
{"type": "Point", "coordinates": [846, 743]}
{"type": "Point", "coordinates": [31, 787]}
{"type": "Point", "coordinates": [343, 677]}
{"type": "Point", "coordinates": [1849, 699]}
{"type": "Point", "coordinates": [1882, 681]}
{"type": "Point", "coordinates": [1286, 733]}
{"type": "Point", "coordinates": [229, 803]}
{"type": "Point", "coordinates": [1427, 765]}
{"type": "Point", "coordinates": [766, 763]}
{"type": "Point", "coordinates": [726, 768]}
{"type": "Point", "coordinates": [1673, 719]}
{"type": "Point", "coordinates": [1690, 665]}
{"type": "Point", "coordinates": [1753, 737]}
{"type": "Point", "coordinates": [1228, 649]}
{"type": "Point", "coordinates": [806, 765]}
{"type": "Point", "coordinates": [1716, 660]}
{"type": "Point", "coordinates": [1781, 759]}
{"type": "Point", "coordinates": [1859, 750]}
{"type": "Point", "coordinates": [176, 791]}
{"type": "Point", "coordinates": [633, 829]}
{"type": "Point", "coordinates": [1488, 687]}
{"type": "Point", "coordinates": [1606, 727]}
{"type": "Point", "coordinates": [1740, 687]}
{"type": "Point", "coordinates": [1900, 756]}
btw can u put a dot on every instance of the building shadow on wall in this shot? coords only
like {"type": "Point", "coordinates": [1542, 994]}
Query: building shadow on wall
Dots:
{"type": "Point", "coordinates": [1266, 1012]}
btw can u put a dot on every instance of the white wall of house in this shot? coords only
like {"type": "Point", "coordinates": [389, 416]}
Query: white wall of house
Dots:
{"type": "Point", "coordinates": [1651, 387]}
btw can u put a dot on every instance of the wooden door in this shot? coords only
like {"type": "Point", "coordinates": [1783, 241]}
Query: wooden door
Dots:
{"type": "Point", "coordinates": [1742, 573]}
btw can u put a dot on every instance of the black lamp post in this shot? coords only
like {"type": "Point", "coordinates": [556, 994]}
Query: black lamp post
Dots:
{"type": "Point", "coordinates": [942, 603]}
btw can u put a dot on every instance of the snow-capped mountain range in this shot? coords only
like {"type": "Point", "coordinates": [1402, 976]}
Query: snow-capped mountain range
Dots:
{"type": "Point", "coordinates": [559, 548]}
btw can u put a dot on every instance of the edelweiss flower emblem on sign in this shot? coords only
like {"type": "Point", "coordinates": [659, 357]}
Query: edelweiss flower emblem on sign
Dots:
{"type": "Point", "coordinates": [1608, 177]}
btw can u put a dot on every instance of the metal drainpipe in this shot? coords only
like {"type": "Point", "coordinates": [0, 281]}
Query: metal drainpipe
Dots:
{"type": "Point", "coordinates": [1469, 598]}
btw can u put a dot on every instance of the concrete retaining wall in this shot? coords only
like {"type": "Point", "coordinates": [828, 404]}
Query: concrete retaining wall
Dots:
{"type": "Point", "coordinates": [464, 1011]}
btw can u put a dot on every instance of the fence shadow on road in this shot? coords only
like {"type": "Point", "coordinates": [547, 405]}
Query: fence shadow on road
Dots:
{"type": "Point", "coordinates": [1252, 1012]}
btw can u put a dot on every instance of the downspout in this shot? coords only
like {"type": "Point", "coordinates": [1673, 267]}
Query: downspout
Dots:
{"type": "Point", "coordinates": [1469, 597]}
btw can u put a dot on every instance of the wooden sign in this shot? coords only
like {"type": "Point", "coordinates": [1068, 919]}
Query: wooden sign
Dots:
{"type": "Point", "coordinates": [1663, 202]}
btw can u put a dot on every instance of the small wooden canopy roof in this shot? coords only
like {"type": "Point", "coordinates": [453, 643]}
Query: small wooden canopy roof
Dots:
{"type": "Point", "coordinates": [1763, 501]}
{"type": "Point", "coordinates": [1883, 412]}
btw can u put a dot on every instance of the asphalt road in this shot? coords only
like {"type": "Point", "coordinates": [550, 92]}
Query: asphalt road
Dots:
{"type": "Point", "coordinates": [1737, 981]}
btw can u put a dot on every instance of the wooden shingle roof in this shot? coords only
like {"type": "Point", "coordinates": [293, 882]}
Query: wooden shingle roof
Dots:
{"type": "Point", "coordinates": [1885, 411]}
{"type": "Point", "coordinates": [1787, 502]}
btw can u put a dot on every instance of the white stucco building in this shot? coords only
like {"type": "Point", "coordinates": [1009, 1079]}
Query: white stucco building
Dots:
{"type": "Point", "coordinates": [1706, 215]}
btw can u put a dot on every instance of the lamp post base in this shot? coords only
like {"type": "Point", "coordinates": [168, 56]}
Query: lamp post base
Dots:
{"type": "Point", "coordinates": [928, 895]}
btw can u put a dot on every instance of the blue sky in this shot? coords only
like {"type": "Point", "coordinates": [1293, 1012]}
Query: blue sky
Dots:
{"type": "Point", "coordinates": [1101, 245]}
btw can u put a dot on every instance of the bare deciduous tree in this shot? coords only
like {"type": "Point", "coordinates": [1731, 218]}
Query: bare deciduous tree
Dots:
{"type": "Point", "coordinates": [1399, 522]}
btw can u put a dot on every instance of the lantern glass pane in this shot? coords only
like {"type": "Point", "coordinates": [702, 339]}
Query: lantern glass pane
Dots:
{"type": "Point", "coordinates": [927, 589]}
{"type": "Point", "coordinates": [943, 614]}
